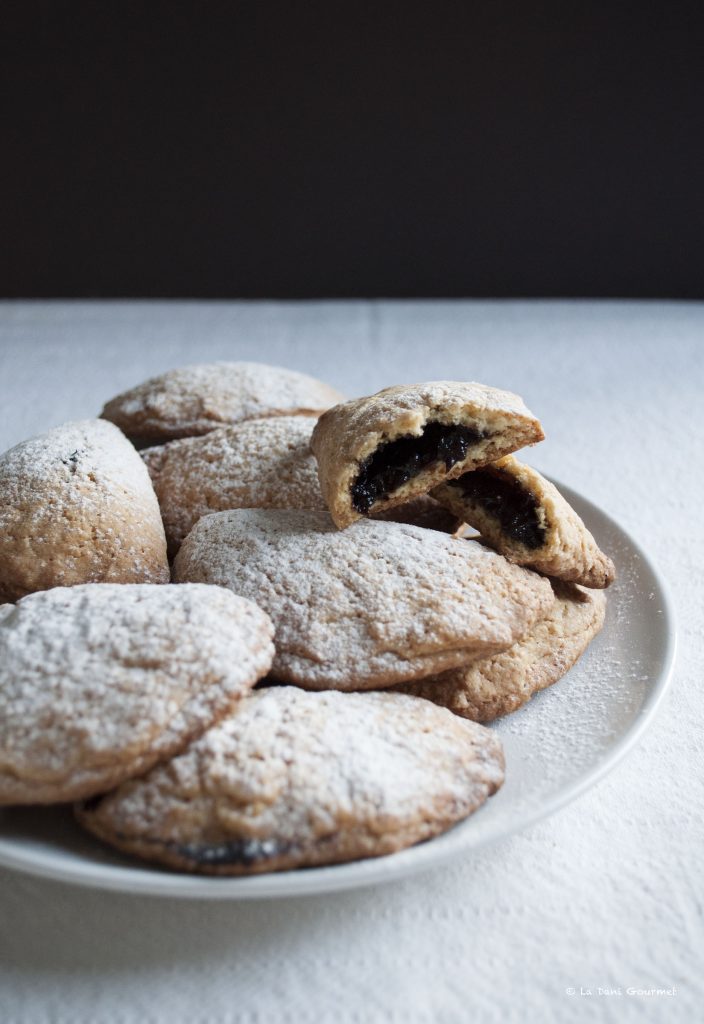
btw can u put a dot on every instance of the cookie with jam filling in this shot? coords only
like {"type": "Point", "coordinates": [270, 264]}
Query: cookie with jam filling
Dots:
{"type": "Point", "coordinates": [524, 517]}
{"type": "Point", "coordinates": [263, 463]}
{"type": "Point", "coordinates": [295, 779]}
{"type": "Point", "coordinates": [77, 506]}
{"type": "Point", "coordinates": [378, 452]}
{"type": "Point", "coordinates": [193, 400]}
{"type": "Point", "coordinates": [368, 607]}
{"type": "Point", "coordinates": [100, 681]}
{"type": "Point", "coordinates": [495, 686]}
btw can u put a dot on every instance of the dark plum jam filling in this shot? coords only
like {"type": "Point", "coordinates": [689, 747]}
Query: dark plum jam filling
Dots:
{"type": "Point", "coordinates": [395, 463]}
{"type": "Point", "coordinates": [503, 498]}
{"type": "Point", "coordinates": [240, 851]}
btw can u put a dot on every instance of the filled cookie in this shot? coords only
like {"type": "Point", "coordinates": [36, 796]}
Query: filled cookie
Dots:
{"type": "Point", "coordinates": [490, 687]}
{"type": "Point", "coordinates": [193, 400]}
{"type": "Point", "coordinates": [295, 779]}
{"type": "Point", "coordinates": [263, 463]}
{"type": "Point", "coordinates": [367, 607]}
{"type": "Point", "coordinates": [377, 452]}
{"type": "Point", "coordinates": [77, 506]}
{"type": "Point", "coordinates": [99, 683]}
{"type": "Point", "coordinates": [524, 516]}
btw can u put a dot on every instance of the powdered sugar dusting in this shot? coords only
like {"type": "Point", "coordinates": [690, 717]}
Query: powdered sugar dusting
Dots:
{"type": "Point", "coordinates": [193, 400]}
{"type": "Point", "coordinates": [490, 687]}
{"type": "Point", "coordinates": [263, 463]}
{"type": "Point", "coordinates": [369, 606]}
{"type": "Point", "coordinates": [306, 778]}
{"type": "Point", "coordinates": [77, 506]}
{"type": "Point", "coordinates": [596, 697]}
{"type": "Point", "coordinates": [98, 681]}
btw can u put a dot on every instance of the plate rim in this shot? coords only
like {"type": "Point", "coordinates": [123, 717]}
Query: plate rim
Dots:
{"type": "Point", "coordinates": [146, 881]}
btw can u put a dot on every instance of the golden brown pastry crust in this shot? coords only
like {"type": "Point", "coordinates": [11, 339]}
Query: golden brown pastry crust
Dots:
{"type": "Point", "coordinates": [569, 551]}
{"type": "Point", "coordinates": [490, 687]}
{"type": "Point", "coordinates": [367, 607]}
{"type": "Point", "coordinates": [77, 506]}
{"type": "Point", "coordinates": [295, 779]}
{"type": "Point", "coordinates": [99, 682]}
{"type": "Point", "coordinates": [346, 435]}
{"type": "Point", "coordinates": [193, 400]}
{"type": "Point", "coordinates": [264, 463]}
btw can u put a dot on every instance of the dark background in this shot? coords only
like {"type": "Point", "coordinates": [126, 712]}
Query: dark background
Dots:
{"type": "Point", "coordinates": [325, 149]}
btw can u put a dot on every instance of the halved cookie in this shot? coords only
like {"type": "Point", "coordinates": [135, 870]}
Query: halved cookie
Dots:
{"type": "Point", "coordinates": [193, 400]}
{"type": "Point", "coordinates": [366, 607]}
{"type": "Point", "coordinates": [525, 517]}
{"type": "Point", "coordinates": [495, 686]}
{"type": "Point", "coordinates": [295, 779]}
{"type": "Point", "coordinates": [381, 451]}
{"type": "Point", "coordinates": [77, 506]}
{"type": "Point", "coordinates": [99, 682]}
{"type": "Point", "coordinates": [263, 463]}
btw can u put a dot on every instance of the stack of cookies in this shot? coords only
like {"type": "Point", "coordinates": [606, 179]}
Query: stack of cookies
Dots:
{"type": "Point", "coordinates": [250, 626]}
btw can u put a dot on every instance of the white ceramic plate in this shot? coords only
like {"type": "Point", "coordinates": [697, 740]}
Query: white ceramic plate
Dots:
{"type": "Point", "coordinates": [558, 745]}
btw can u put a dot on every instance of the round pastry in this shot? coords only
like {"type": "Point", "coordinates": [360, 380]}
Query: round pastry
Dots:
{"type": "Point", "coordinates": [377, 452]}
{"type": "Point", "coordinates": [490, 687]}
{"type": "Point", "coordinates": [367, 607]}
{"type": "Point", "coordinates": [193, 400]}
{"type": "Point", "coordinates": [295, 779]}
{"type": "Point", "coordinates": [263, 463]}
{"type": "Point", "coordinates": [99, 682]}
{"type": "Point", "coordinates": [77, 506]}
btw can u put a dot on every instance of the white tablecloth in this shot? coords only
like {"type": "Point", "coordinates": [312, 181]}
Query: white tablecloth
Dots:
{"type": "Point", "coordinates": [607, 894]}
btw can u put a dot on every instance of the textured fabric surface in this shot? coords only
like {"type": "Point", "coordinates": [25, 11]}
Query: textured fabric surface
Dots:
{"type": "Point", "coordinates": [606, 894]}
